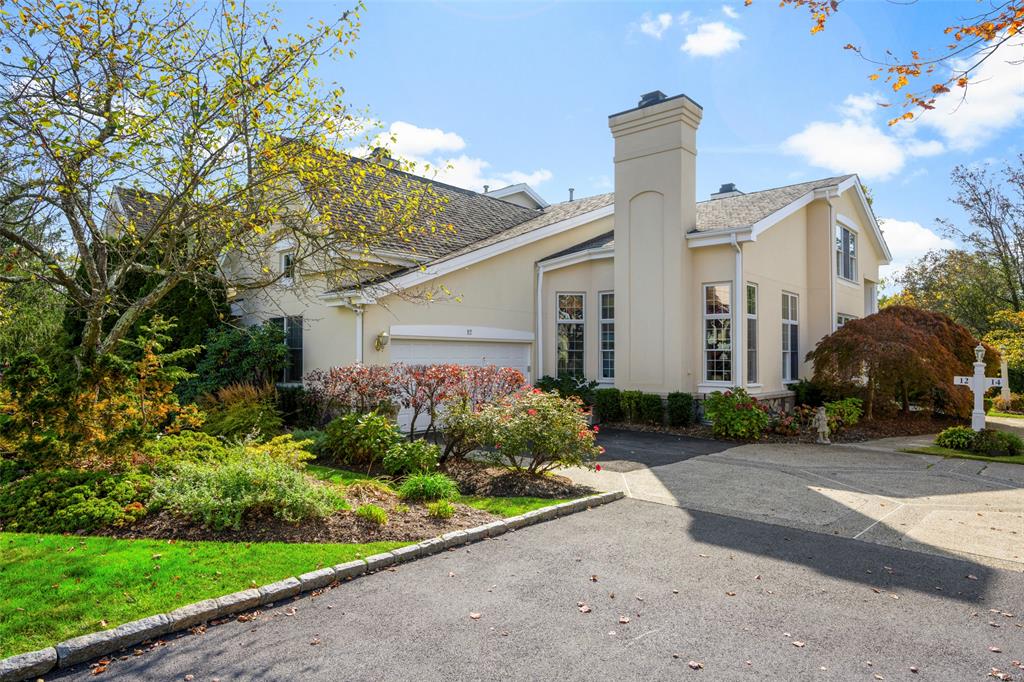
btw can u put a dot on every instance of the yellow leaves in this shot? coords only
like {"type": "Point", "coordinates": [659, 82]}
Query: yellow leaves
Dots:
{"type": "Point", "coordinates": [939, 88]}
{"type": "Point", "coordinates": [962, 81]}
{"type": "Point", "coordinates": [900, 83]}
{"type": "Point", "coordinates": [905, 117]}
{"type": "Point", "coordinates": [873, 77]}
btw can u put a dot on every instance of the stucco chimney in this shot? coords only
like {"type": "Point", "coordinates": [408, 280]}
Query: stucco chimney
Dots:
{"type": "Point", "coordinates": [655, 206]}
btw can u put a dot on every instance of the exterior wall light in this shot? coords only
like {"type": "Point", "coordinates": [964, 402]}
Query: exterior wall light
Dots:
{"type": "Point", "coordinates": [381, 341]}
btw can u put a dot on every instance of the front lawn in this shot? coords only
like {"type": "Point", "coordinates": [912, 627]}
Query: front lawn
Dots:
{"type": "Point", "coordinates": [56, 586]}
{"type": "Point", "coordinates": [507, 506]}
{"type": "Point", "coordinates": [1008, 415]}
{"type": "Point", "coordinates": [948, 452]}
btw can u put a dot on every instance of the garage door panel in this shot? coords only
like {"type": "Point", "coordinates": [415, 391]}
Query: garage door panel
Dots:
{"type": "Point", "coordinates": [475, 353]}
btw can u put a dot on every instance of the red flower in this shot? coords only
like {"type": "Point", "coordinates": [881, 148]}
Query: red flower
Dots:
{"type": "Point", "coordinates": [598, 467]}
{"type": "Point", "coordinates": [531, 412]}
{"type": "Point", "coordinates": [596, 429]}
{"type": "Point", "coordinates": [537, 390]}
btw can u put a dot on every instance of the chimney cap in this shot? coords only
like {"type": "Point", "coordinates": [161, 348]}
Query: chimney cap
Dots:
{"type": "Point", "coordinates": [653, 97]}
{"type": "Point", "coordinates": [728, 187]}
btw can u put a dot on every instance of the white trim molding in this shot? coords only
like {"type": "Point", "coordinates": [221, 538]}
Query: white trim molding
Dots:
{"type": "Point", "coordinates": [516, 189]}
{"type": "Point", "coordinates": [454, 332]}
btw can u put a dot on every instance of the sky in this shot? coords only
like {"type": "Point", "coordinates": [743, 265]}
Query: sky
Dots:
{"type": "Point", "coordinates": [521, 92]}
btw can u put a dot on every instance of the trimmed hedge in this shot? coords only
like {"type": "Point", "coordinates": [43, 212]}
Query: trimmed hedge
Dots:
{"type": "Point", "coordinates": [680, 409]}
{"type": "Point", "coordinates": [651, 410]}
{"type": "Point", "coordinates": [608, 404]}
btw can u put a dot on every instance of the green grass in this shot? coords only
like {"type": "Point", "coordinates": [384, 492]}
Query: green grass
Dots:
{"type": "Point", "coordinates": [499, 506]}
{"type": "Point", "coordinates": [55, 586]}
{"type": "Point", "coordinates": [508, 506]}
{"type": "Point", "coordinates": [333, 475]}
{"type": "Point", "coordinates": [1009, 415]}
{"type": "Point", "coordinates": [947, 452]}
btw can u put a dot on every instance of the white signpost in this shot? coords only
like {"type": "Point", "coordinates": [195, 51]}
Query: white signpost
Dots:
{"type": "Point", "coordinates": [979, 384]}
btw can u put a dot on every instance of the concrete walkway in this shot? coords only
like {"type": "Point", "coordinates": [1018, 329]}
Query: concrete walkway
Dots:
{"type": "Point", "coordinates": [871, 492]}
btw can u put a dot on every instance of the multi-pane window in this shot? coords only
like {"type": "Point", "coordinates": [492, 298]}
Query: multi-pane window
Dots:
{"type": "Point", "coordinates": [570, 334]}
{"type": "Point", "coordinates": [790, 336]}
{"type": "Point", "coordinates": [608, 335]}
{"type": "Point", "coordinates": [292, 327]}
{"type": "Point", "coordinates": [288, 266]}
{"type": "Point", "coordinates": [751, 333]}
{"type": "Point", "coordinates": [842, 319]}
{"type": "Point", "coordinates": [846, 253]}
{"type": "Point", "coordinates": [717, 332]}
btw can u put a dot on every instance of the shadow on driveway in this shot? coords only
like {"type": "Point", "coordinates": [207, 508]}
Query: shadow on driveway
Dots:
{"type": "Point", "coordinates": [632, 450]}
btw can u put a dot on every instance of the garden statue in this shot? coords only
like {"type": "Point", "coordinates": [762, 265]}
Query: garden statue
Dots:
{"type": "Point", "coordinates": [820, 423]}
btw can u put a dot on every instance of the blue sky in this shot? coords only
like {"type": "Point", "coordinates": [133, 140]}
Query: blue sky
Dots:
{"type": "Point", "coordinates": [521, 92]}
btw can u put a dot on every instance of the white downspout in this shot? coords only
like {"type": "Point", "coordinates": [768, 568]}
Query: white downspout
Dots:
{"type": "Point", "coordinates": [831, 264]}
{"type": "Point", "coordinates": [359, 333]}
{"type": "Point", "coordinates": [540, 324]}
{"type": "Point", "coordinates": [738, 316]}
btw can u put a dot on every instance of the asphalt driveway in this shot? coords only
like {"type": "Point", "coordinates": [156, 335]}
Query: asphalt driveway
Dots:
{"type": "Point", "coordinates": [870, 492]}
{"type": "Point", "coordinates": [776, 603]}
{"type": "Point", "coordinates": [632, 450]}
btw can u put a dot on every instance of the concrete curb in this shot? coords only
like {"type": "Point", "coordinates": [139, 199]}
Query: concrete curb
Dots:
{"type": "Point", "coordinates": [86, 647]}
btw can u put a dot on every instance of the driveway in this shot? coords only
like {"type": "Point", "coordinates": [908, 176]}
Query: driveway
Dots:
{"type": "Point", "coordinates": [869, 492]}
{"type": "Point", "coordinates": [776, 603]}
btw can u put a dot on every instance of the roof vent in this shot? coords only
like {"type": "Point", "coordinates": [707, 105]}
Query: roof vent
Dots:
{"type": "Point", "coordinates": [382, 156]}
{"type": "Point", "coordinates": [726, 190]}
{"type": "Point", "coordinates": [651, 98]}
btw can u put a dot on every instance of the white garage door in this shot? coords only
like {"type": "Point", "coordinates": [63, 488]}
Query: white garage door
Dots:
{"type": "Point", "coordinates": [479, 353]}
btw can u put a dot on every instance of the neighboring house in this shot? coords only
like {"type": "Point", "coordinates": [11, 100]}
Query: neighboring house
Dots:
{"type": "Point", "coordinates": [644, 288]}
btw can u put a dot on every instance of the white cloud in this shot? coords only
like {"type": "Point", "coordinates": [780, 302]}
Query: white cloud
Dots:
{"type": "Point", "coordinates": [430, 150]}
{"type": "Point", "coordinates": [730, 12]}
{"type": "Point", "coordinates": [856, 144]}
{"type": "Point", "coordinates": [908, 241]}
{"type": "Point", "coordinates": [655, 26]}
{"type": "Point", "coordinates": [993, 101]}
{"type": "Point", "coordinates": [848, 147]}
{"type": "Point", "coordinates": [683, 18]}
{"type": "Point", "coordinates": [711, 40]}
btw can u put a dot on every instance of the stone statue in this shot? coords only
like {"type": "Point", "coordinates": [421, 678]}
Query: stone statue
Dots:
{"type": "Point", "coordinates": [820, 423]}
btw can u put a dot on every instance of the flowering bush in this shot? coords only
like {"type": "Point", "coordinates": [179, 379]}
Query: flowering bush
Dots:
{"type": "Point", "coordinates": [352, 388]}
{"type": "Point", "coordinates": [422, 389]}
{"type": "Point", "coordinates": [735, 414]}
{"type": "Point", "coordinates": [538, 432]}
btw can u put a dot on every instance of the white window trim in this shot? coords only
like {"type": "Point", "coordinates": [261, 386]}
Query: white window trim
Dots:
{"type": "Point", "coordinates": [846, 318]}
{"type": "Point", "coordinates": [704, 334]}
{"type": "Point", "coordinates": [285, 279]}
{"type": "Point", "coordinates": [601, 321]}
{"type": "Point", "coordinates": [786, 322]}
{"type": "Point", "coordinates": [582, 321]}
{"type": "Point", "coordinates": [746, 336]}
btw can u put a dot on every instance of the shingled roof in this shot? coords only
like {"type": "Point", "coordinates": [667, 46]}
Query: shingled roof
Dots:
{"type": "Point", "coordinates": [606, 239]}
{"type": "Point", "coordinates": [743, 210]}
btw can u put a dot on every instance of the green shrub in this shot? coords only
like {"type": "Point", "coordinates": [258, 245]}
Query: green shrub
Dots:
{"type": "Point", "coordinates": [807, 392]}
{"type": "Point", "coordinates": [242, 411]}
{"type": "Point", "coordinates": [316, 439]}
{"type": "Point", "coordinates": [651, 409]}
{"type": "Point", "coordinates": [995, 443]}
{"type": "Point", "coordinates": [359, 438]}
{"type": "Point", "coordinates": [423, 487]}
{"type": "Point", "coordinates": [285, 449]}
{"type": "Point", "coordinates": [373, 514]}
{"type": "Point", "coordinates": [442, 509]}
{"type": "Point", "coordinates": [464, 429]}
{"type": "Point", "coordinates": [72, 501]}
{"type": "Point", "coordinates": [735, 414]}
{"type": "Point", "coordinates": [10, 470]}
{"type": "Point", "coordinates": [843, 413]}
{"type": "Point", "coordinates": [233, 355]}
{"type": "Point", "coordinates": [608, 404]}
{"type": "Point", "coordinates": [187, 446]}
{"type": "Point", "coordinates": [680, 409]}
{"type": "Point", "coordinates": [222, 495]}
{"type": "Point", "coordinates": [569, 386]}
{"type": "Point", "coordinates": [297, 407]}
{"type": "Point", "coordinates": [631, 405]}
{"type": "Point", "coordinates": [538, 432]}
{"type": "Point", "coordinates": [956, 438]}
{"type": "Point", "coordinates": [412, 457]}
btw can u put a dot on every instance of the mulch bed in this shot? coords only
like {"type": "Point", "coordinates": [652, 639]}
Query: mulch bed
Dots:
{"type": "Point", "coordinates": [479, 478]}
{"type": "Point", "coordinates": [915, 424]}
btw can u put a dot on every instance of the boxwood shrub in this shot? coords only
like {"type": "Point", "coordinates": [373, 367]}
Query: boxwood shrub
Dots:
{"type": "Point", "coordinates": [651, 410]}
{"type": "Point", "coordinates": [608, 404]}
{"type": "Point", "coordinates": [680, 409]}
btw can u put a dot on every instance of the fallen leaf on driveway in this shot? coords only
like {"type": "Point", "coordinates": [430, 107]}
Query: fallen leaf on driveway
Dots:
{"type": "Point", "coordinates": [99, 670]}
{"type": "Point", "coordinates": [593, 578]}
{"type": "Point", "coordinates": [1000, 675]}
{"type": "Point", "coordinates": [314, 641]}
{"type": "Point", "coordinates": [730, 594]}
{"type": "Point", "coordinates": [995, 650]}
{"type": "Point", "coordinates": [583, 607]}
{"type": "Point", "coordinates": [798, 644]}
{"type": "Point", "coordinates": [291, 611]}
{"type": "Point", "coordinates": [913, 669]}
{"type": "Point", "coordinates": [474, 615]}
{"type": "Point", "coordinates": [971, 576]}
{"type": "Point", "coordinates": [878, 677]}
{"type": "Point", "coordinates": [623, 619]}
{"type": "Point", "coordinates": [695, 665]}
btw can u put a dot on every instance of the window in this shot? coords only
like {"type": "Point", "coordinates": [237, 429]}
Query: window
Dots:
{"type": "Point", "coordinates": [608, 335]}
{"type": "Point", "coordinates": [717, 333]}
{"type": "Point", "coordinates": [751, 333]}
{"type": "Point", "coordinates": [288, 266]}
{"type": "Point", "coordinates": [846, 253]}
{"type": "Point", "coordinates": [790, 336]}
{"type": "Point", "coordinates": [292, 326]}
{"type": "Point", "coordinates": [570, 334]}
{"type": "Point", "coordinates": [842, 319]}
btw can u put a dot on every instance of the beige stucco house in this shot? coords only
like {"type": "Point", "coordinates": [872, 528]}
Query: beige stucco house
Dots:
{"type": "Point", "coordinates": [644, 288]}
